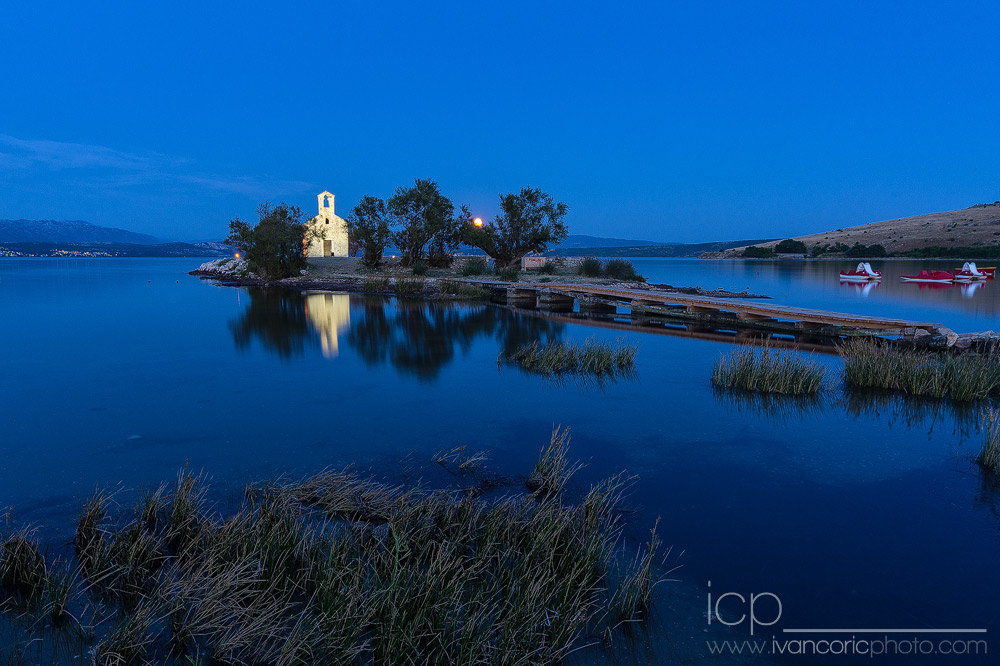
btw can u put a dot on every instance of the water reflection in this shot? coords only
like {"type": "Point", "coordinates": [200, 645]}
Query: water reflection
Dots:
{"type": "Point", "coordinates": [276, 319]}
{"type": "Point", "coordinates": [775, 408]}
{"type": "Point", "coordinates": [970, 289]}
{"type": "Point", "coordinates": [415, 337]}
{"type": "Point", "coordinates": [862, 289]}
{"type": "Point", "coordinates": [420, 337]}
{"type": "Point", "coordinates": [330, 315]}
{"type": "Point", "coordinates": [912, 411]}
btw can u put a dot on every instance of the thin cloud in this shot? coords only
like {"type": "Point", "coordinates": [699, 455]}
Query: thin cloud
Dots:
{"type": "Point", "coordinates": [114, 167]}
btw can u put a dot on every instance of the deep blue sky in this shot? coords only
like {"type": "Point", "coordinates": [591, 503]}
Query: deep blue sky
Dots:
{"type": "Point", "coordinates": [664, 121]}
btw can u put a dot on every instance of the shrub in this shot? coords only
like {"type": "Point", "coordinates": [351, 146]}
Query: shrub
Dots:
{"type": "Point", "coordinates": [622, 269]}
{"type": "Point", "coordinates": [272, 247]}
{"type": "Point", "coordinates": [790, 246]}
{"type": "Point", "coordinates": [375, 283]}
{"type": "Point", "coordinates": [754, 252]}
{"type": "Point", "coordinates": [463, 289]}
{"type": "Point", "coordinates": [860, 251]}
{"type": "Point", "coordinates": [508, 274]}
{"type": "Point", "coordinates": [419, 268]}
{"type": "Point", "coordinates": [408, 286]}
{"type": "Point", "coordinates": [768, 370]}
{"type": "Point", "coordinates": [475, 266]}
{"type": "Point", "coordinates": [548, 268]}
{"type": "Point", "coordinates": [590, 267]}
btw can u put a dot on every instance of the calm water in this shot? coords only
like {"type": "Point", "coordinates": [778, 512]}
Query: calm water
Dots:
{"type": "Point", "coordinates": [854, 514]}
{"type": "Point", "coordinates": [963, 308]}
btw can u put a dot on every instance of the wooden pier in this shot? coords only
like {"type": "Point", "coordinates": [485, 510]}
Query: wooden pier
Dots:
{"type": "Point", "coordinates": [704, 312]}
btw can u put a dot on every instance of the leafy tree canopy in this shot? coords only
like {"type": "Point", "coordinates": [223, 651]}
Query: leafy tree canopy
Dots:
{"type": "Point", "coordinates": [529, 222]}
{"type": "Point", "coordinates": [368, 225]}
{"type": "Point", "coordinates": [424, 221]}
{"type": "Point", "coordinates": [274, 247]}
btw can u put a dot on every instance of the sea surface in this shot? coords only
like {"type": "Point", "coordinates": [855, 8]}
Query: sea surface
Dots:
{"type": "Point", "coordinates": [855, 512]}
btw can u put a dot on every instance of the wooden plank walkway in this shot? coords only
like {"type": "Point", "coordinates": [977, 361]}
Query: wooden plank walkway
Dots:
{"type": "Point", "coordinates": [749, 309]}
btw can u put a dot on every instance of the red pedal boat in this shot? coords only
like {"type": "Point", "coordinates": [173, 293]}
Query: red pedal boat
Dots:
{"type": "Point", "coordinates": [939, 277]}
{"type": "Point", "coordinates": [969, 272]}
{"type": "Point", "coordinates": [863, 273]}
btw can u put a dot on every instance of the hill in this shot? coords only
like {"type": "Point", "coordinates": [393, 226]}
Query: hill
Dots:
{"type": "Point", "coordinates": [635, 249]}
{"type": "Point", "coordinates": [68, 231]}
{"type": "Point", "coordinates": [582, 240]}
{"type": "Point", "coordinates": [63, 249]}
{"type": "Point", "coordinates": [976, 226]}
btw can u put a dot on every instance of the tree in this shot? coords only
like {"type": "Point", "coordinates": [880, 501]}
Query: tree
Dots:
{"type": "Point", "coordinates": [423, 216]}
{"type": "Point", "coordinates": [368, 225]}
{"type": "Point", "coordinates": [530, 221]}
{"type": "Point", "coordinates": [790, 246]}
{"type": "Point", "coordinates": [275, 247]}
{"type": "Point", "coordinates": [755, 252]}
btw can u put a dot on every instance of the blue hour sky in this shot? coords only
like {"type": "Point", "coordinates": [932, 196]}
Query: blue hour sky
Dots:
{"type": "Point", "coordinates": [655, 120]}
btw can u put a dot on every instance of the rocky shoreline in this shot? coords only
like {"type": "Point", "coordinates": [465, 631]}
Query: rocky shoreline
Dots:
{"type": "Point", "coordinates": [236, 273]}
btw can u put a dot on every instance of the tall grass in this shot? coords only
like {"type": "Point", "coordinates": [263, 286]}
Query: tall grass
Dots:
{"type": "Point", "coordinates": [475, 267]}
{"type": "Point", "coordinates": [340, 569]}
{"type": "Point", "coordinates": [989, 454]}
{"type": "Point", "coordinates": [409, 286]}
{"type": "Point", "coordinates": [508, 274]}
{"type": "Point", "coordinates": [768, 370]}
{"type": "Point", "coordinates": [592, 358]}
{"type": "Point", "coordinates": [876, 364]}
{"type": "Point", "coordinates": [375, 284]}
{"type": "Point", "coordinates": [460, 289]}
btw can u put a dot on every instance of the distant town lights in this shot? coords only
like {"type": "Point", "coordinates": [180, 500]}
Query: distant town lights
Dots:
{"type": "Point", "coordinates": [478, 221]}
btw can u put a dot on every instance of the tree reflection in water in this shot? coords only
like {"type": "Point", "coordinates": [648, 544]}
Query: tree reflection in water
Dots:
{"type": "Point", "coordinates": [421, 337]}
{"type": "Point", "coordinates": [278, 320]}
{"type": "Point", "coordinates": [416, 337]}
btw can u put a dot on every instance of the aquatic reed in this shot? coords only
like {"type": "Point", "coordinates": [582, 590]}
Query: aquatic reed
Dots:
{"type": "Point", "coordinates": [409, 286]}
{"type": "Point", "coordinates": [768, 370]}
{"type": "Point", "coordinates": [23, 571]}
{"type": "Point", "coordinates": [598, 359]}
{"type": "Point", "coordinates": [340, 569]}
{"type": "Point", "coordinates": [989, 454]}
{"type": "Point", "coordinates": [961, 377]}
{"type": "Point", "coordinates": [459, 289]}
{"type": "Point", "coordinates": [376, 284]}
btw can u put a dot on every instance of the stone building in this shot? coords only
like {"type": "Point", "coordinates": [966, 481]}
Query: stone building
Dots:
{"type": "Point", "coordinates": [332, 231]}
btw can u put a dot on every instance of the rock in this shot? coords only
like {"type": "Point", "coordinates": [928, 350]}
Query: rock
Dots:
{"type": "Point", "coordinates": [920, 333]}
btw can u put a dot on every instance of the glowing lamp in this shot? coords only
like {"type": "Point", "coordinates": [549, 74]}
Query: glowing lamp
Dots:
{"type": "Point", "coordinates": [237, 255]}
{"type": "Point", "coordinates": [478, 221]}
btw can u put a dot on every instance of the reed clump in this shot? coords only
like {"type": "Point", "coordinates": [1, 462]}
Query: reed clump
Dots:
{"type": "Point", "coordinates": [409, 286]}
{"type": "Point", "coordinates": [592, 358]}
{"type": "Point", "coordinates": [964, 377]}
{"type": "Point", "coordinates": [375, 284]}
{"type": "Point", "coordinates": [768, 370]}
{"type": "Point", "coordinates": [989, 453]}
{"type": "Point", "coordinates": [459, 289]}
{"type": "Point", "coordinates": [341, 569]}
{"type": "Point", "coordinates": [475, 266]}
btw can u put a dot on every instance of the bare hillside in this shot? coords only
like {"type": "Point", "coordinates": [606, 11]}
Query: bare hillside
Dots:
{"type": "Point", "coordinates": [975, 226]}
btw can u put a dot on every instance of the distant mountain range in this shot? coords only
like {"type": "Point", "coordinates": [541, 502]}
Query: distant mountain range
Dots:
{"type": "Point", "coordinates": [69, 231]}
{"type": "Point", "coordinates": [44, 237]}
{"type": "Point", "coordinates": [581, 240]}
{"type": "Point", "coordinates": [616, 247]}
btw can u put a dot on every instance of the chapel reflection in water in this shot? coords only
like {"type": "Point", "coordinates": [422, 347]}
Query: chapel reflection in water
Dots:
{"type": "Point", "coordinates": [417, 337]}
